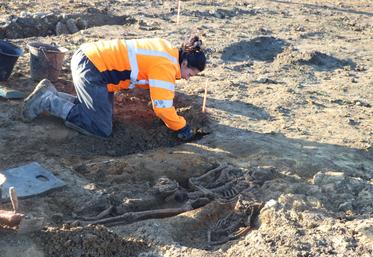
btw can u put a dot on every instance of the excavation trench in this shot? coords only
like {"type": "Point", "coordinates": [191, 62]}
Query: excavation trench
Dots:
{"type": "Point", "coordinates": [136, 129]}
{"type": "Point", "coordinates": [128, 189]}
{"type": "Point", "coordinates": [214, 204]}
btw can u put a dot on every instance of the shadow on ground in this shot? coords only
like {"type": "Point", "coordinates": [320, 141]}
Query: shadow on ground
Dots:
{"type": "Point", "coordinates": [257, 49]}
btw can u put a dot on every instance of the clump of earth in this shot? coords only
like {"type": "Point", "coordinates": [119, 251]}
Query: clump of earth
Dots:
{"type": "Point", "coordinates": [88, 241]}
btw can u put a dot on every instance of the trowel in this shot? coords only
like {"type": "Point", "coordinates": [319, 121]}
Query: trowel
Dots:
{"type": "Point", "coordinates": [14, 218]}
{"type": "Point", "coordinates": [9, 93]}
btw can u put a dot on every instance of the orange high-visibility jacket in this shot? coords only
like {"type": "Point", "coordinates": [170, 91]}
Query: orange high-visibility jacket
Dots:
{"type": "Point", "coordinates": [147, 63]}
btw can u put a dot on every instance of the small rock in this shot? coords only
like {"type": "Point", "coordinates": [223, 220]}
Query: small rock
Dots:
{"type": "Point", "coordinates": [146, 25]}
{"type": "Point", "coordinates": [71, 26]}
{"type": "Point", "coordinates": [362, 103]}
{"type": "Point", "coordinates": [75, 224]}
{"type": "Point", "coordinates": [57, 218]}
{"type": "Point", "coordinates": [66, 226]}
{"type": "Point", "coordinates": [61, 29]}
{"type": "Point", "coordinates": [39, 15]}
{"type": "Point", "coordinates": [353, 122]}
{"type": "Point", "coordinates": [263, 173]}
{"type": "Point", "coordinates": [262, 80]}
{"type": "Point", "coordinates": [300, 28]}
{"type": "Point", "coordinates": [345, 206]}
{"type": "Point", "coordinates": [63, 16]}
{"type": "Point", "coordinates": [81, 23]}
{"type": "Point", "coordinates": [91, 238]}
{"type": "Point", "coordinates": [93, 10]}
{"type": "Point", "coordinates": [270, 203]}
{"type": "Point", "coordinates": [360, 67]}
{"type": "Point", "coordinates": [67, 243]}
{"type": "Point", "coordinates": [24, 14]}
{"type": "Point", "coordinates": [219, 15]}
{"type": "Point", "coordinates": [265, 31]}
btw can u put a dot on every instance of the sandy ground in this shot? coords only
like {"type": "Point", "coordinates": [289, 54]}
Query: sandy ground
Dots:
{"type": "Point", "coordinates": [289, 105]}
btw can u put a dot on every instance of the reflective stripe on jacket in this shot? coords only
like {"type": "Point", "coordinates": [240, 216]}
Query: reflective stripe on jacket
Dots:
{"type": "Point", "coordinates": [147, 63]}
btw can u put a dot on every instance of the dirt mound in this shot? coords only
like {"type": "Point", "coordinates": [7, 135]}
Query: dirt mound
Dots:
{"type": "Point", "coordinates": [323, 62]}
{"type": "Point", "coordinates": [319, 61]}
{"type": "Point", "coordinates": [47, 24]}
{"type": "Point", "coordinates": [349, 193]}
{"type": "Point", "coordinates": [91, 241]}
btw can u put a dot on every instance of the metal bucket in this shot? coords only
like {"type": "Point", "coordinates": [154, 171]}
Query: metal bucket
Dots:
{"type": "Point", "coordinates": [46, 61]}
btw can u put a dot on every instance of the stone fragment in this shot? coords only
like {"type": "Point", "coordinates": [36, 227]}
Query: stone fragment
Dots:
{"type": "Point", "coordinates": [71, 26]}
{"type": "Point", "coordinates": [81, 23]}
{"type": "Point", "coordinates": [263, 173]}
{"type": "Point", "coordinates": [346, 206]}
{"type": "Point", "coordinates": [61, 29]}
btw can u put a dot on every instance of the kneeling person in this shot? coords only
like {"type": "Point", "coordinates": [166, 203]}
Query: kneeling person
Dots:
{"type": "Point", "coordinates": [99, 69]}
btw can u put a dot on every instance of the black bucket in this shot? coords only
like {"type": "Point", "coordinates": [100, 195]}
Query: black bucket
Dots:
{"type": "Point", "coordinates": [46, 61]}
{"type": "Point", "coordinates": [9, 54]}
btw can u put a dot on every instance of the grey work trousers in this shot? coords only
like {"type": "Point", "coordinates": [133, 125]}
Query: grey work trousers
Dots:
{"type": "Point", "coordinates": [94, 110]}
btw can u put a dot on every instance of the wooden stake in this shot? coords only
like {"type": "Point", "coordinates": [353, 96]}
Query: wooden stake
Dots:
{"type": "Point", "coordinates": [178, 11]}
{"type": "Point", "coordinates": [204, 98]}
{"type": "Point", "coordinates": [13, 199]}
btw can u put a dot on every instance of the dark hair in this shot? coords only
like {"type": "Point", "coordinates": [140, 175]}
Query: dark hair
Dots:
{"type": "Point", "coordinates": [191, 50]}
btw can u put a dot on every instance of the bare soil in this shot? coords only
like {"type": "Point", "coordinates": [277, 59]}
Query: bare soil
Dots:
{"type": "Point", "coordinates": [289, 110]}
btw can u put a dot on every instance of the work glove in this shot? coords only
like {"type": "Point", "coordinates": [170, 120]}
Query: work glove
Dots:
{"type": "Point", "coordinates": [185, 133]}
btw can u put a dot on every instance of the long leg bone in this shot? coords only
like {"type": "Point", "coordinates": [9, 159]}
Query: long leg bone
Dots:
{"type": "Point", "coordinates": [131, 217]}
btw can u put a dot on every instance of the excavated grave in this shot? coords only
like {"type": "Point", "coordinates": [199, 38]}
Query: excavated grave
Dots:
{"type": "Point", "coordinates": [223, 204]}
